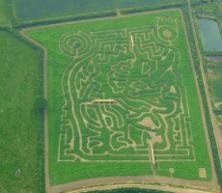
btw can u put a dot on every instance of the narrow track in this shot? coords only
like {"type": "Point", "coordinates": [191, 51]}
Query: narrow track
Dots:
{"type": "Point", "coordinates": [45, 88]}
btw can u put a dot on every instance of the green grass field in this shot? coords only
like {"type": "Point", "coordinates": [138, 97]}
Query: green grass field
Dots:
{"type": "Point", "coordinates": [20, 128]}
{"type": "Point", "coordinates": [122, 99]}
{"type": "Point", "coordinates": [5, 13]}
{"type": "Point", "coordinates": [215, 80]}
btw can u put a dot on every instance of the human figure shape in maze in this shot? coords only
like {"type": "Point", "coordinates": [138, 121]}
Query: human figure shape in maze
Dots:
{"type": "Point", "coordinates": [121, 90]}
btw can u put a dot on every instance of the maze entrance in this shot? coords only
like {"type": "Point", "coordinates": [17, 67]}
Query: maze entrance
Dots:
{"type": "Point", "coordinates": [124, 99]}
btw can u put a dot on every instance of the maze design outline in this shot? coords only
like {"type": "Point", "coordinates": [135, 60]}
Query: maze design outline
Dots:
{"type": "Point", "coordinates": [128, 127]}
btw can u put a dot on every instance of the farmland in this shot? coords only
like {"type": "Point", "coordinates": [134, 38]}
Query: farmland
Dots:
{"type": "Point", "coordinates": [5, 13]}
{"type": "Point", "coordinates": [212, 66]}
{"type": "Point", "coordinates": [215, 78]}
{"type": "Point", "coordinates": [34, 10]}
{"type": "Point", "coordinates": [109, 94]}
{"type": "Point", "coordinates": [21, 162]}
{"type": "Point", "coordinates": [122, 98]}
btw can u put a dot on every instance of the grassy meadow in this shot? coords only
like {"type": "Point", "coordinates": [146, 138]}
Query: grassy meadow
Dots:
{"type": "Point", "coordinates": [21, 152]}
{"type": "Point", "coordinates": [215, 80]}
{"type": "Point", "coordinates": [5, 12]}
{"type": "Point", "coordinates": [61, 172]}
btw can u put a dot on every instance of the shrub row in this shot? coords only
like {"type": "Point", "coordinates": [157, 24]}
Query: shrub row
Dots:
{"type": "Point", "coordinates": [66, 19]}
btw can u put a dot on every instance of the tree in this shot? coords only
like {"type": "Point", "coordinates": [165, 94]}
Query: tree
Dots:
{"type": "Point", "coordinates": [40, 104]}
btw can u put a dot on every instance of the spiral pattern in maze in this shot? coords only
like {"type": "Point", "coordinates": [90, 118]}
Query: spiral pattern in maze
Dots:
{"type": "Point", "coordinates": [76, 44]}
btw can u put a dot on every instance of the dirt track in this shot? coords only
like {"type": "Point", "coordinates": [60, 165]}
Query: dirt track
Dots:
{"type": "Point", "coordinates": [45, 87]}
{"type": "Point", "coordinates": [164, 183]}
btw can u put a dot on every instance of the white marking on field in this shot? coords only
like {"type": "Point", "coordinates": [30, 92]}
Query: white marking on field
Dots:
{"type": "Point", "coordinates": [132, 42]}
{"type": "Point", "coordinates": [173, 89]}
{"type": "Point", "coordinates": [172, 171]}
{"type": "Point", "coordinates": [152, 154]}
{"type": "Point", "coordinates": [202, 173]}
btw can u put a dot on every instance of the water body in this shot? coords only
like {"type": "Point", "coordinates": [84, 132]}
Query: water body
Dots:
{"type": "Point", "coordinates": [210, 35]}
{"type": "Point", "coordinates": [216, 58]}
{"type": "Point", "coordinates": [129, 190]}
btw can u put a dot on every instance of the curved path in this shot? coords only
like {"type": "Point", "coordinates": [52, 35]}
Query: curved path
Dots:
{"type": "Point", "coordinates": [150, 187]}
{"type": "Point", "coordinates": [160, 183]}
{"type": "Point", "coordinates": [154, 182]}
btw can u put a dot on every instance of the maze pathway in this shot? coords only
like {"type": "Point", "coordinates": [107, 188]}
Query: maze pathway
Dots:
{"type": "Point", "coordinates": [124, 100]}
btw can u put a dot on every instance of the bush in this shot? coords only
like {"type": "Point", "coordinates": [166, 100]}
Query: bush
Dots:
{"type": "Point", "coordinates": [40, 104]}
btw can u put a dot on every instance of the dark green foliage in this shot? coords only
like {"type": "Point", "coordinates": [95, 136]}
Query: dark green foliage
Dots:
{"type": "Point", "coordinates": [40, 104]}
{"type": "Point", "coordinates": [80, 17]}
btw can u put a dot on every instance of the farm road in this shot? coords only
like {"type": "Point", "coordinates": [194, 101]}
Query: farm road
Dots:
{"type": "Point", "coordinates": [45, 87]}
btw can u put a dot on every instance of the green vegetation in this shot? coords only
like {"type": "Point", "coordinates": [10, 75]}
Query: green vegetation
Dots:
{"type": "Point", "coordinates": [215, 84]}
{"type": "Point", "coordinates": [5, 13]}
{"type": "Point", "coordinates": [21, 130]}
{"type": "Point", "coordinates": [22, 104]}
{"type": "Point", "coordinates": [75, 66]}
{"type": "Point", "coordinates": [128, 190]}
{"type": "Point", "coordinates": [215, 78]}
{"type": "Point", "coordinates": [210, 10]}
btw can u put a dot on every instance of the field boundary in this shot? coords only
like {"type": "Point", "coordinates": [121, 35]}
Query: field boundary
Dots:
{"type": "Point", "coordinates": [33, 110]}
{"type": "Point", "coordinates": [204, 119]}
{"type": "Point", "coordinates": [19, 22]}
{"type": "Point", "coordinates": [134, 181]}
{"type": "Point", "coordinates": [213, 131]}
{"type": "Point", "coordinates": [142, 186]}
{"type": "Point", "coordinates": [204, 186]}
{"type": "Point", "coordinates": [45, 88]}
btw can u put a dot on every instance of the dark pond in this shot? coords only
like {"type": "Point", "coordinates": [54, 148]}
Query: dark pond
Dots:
{"type": "Point", "coordinates": [217, 58]}
{"type": "Point", "coordinates": [210, 35]}
{"type": "Point", "coordinates": [129, 190]}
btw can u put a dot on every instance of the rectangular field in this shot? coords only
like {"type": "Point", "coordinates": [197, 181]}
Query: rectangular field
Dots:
{"type": "Point", "coordinates": [21, 131]}
{"type": "Point", "coordinates": [215, 79]}
{"type": "Point", "coordinates": [5, 13]}
{"type": "Point", "coordinates": [122, 99]}
{"type": "Point", "coordinates": [42, 9]}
